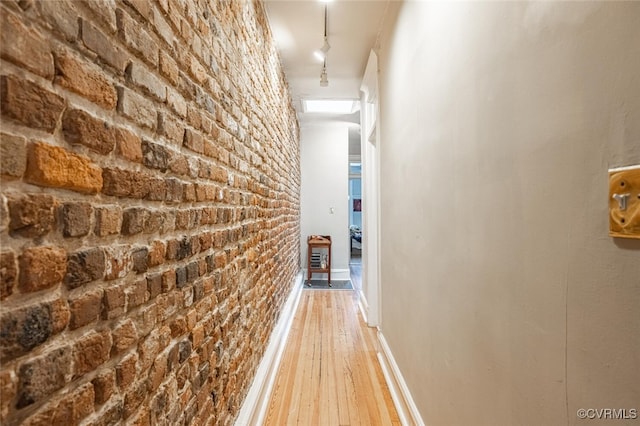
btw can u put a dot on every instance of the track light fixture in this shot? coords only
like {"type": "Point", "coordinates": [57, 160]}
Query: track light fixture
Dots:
{"type": "Point", "coordinates": [324, 81]}
{"type": "Point", "coordinates": [323, 51]}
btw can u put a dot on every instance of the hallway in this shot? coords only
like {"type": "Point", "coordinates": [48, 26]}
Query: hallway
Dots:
{"type": "Point", "coordinates": [329, 374]}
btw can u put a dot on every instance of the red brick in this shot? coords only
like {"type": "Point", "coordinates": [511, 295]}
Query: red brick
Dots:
{"type": "Point", "coordinates": [140, 76]}
{"type": "Point", "coordinates": [129, 146]}
{"type": "Point", "coordinates": [157, 221]}
{"type": "Point", "coordinates": [25, 46]}
{"type": "Point", "coordinates": [174, 11]}
{"type": "Point", "coordinates": [40, 376]}
{"type": "Point", "coordinates": [13, 155]}
{"type": "Point", "coordinates": [104, 11]}
{"type": "Point", "coordinates": [163, 28]}
{"type": "Point", "coordinates": [76, 219]}
{"type": "Point", "coordinates": [132, 33]}
{"type": "Point", "coordinates": [85, 79]}
{"type": "Point", "coordinates": [104, 385]}
{"type": "Point", "coordinates": [85, 266]}
{"type": "Point", "coordinates": [61, 16]}
{"type": "Point", "coordinates": [114, 301]}
{"type": "Point", "coordinates": [220, 260]}
{"type": "Point", "coordinates": [85, 308]}
{"type": "Point", "coordinates": [168, 223]}
{"type": "Point", "coordinates": [109, 52]}
{"type": "Point", "coordinates": [157, 189]}
{"type": "Point", "coordinates": [60, 315]}
{"type": "Point", "coordinates": [108, 220]}
{"type": "Point", "coordinates": [29, 104]}
{"type": "Point", "coordinates": [32, 215]}
{"type": "Point", "coordinates": [55, 167]}
{"type": "Point", "coordinates": [169, 68]}
{"type": "Point", "coordinates": [146, 319]}
{"type": "Point", "coordinates": [91, 351]}
{"type": "Point", "coordinates": [168, 281]}
{"type": "Point", "coordinates": [143, 7]}
{"type": "Point", "coordinates": [126, 371]}
{"type": "Point", "coordinates": [136, 294]}
{"type": "Point", "coordinates": [194, 117]}
{"type": "Point", "coordinates": [206, 241]}
{"type": "Point", "coordinates": [197, 335]}
{"type": "Point", "coordinates": [110, 414]}
{"type": "Point", "coordinates": [171, 128]}
{"type": "Point", "coordinates": [219, 174]}
{"type": "Point", "coordinates": [157, 253]}
{"type": "Point", "coordinates": [157, 372]}
{"type": "Point", "coordinates": [154, 285]}
{"type": "Point", "coordinates": [8, 274]}
{"type": "Point", "coordinates": [194, 141]}
{"type": "Point", "coordinates": [175, 190]}
{"type": "Point", "coordinates": [118, 262]}
{"type": "Point", "coordinates": [139, 257]}
{"type": "Point", "coordinates": [148, 350]}
{"type": "Point", "coordinates": [178, 326]}
{"type": "Point", "coordinates": [23, 330]}
{"type": "Point", "coordinates": [176, 102]}
{"type": "Point", "coordinates": [125, 183]}
{"type": "Point", "coordinates": [8, 391]}
{"type": "Point", "coordinates": [155, 156]}
{"type": "Point", "coordinates": [210, 214]}
{"type": "Point", "coordinates": [197, 70]}
{"type": "Point", "coordinates": [75, 406]}
{"type": "Point", "coordinates": [137, 108]}
{"type": "Point", "coordinates": [79, 127]}
{"type": "Point", "coordinates": [186, 219]}
{"type": "Point", "coordinates": [42, 267]}
{"type": "Point", "coordinates": [142, 417]}
{"type": "Point", "coordinates": [133, 399]}
{"type": "Point", "coordinates": [189, 192]}
{"type": "Point", "coordinates": [133, 220]}
{"type": "Point", "coordinates": [125, 336]}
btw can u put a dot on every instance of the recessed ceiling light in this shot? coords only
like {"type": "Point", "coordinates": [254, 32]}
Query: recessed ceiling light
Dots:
{"type": "Point", "coordinates": [329, 106]}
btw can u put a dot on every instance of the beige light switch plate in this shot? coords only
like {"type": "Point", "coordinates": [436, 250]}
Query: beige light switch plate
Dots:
{"type": "Point", "coordinates": [624, 202]}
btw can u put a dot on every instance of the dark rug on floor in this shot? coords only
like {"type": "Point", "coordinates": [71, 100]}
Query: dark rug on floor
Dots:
{"type": "Point", "coordinates": [324, 285]}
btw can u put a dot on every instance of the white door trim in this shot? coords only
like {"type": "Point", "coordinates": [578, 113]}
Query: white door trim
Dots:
{"type": "Point", "coordinates": [370, 131]}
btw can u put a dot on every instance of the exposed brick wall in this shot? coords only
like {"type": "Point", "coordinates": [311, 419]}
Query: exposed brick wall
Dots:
{"type": "Point", "coordinates": [149, 212]}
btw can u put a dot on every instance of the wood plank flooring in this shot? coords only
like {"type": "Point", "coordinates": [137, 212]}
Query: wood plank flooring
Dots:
{"type": "Point", "coordinates": [329, 373]}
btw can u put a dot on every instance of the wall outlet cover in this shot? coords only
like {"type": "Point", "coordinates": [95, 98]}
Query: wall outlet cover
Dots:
{"type": "Point", "coordinates": [624, 202]}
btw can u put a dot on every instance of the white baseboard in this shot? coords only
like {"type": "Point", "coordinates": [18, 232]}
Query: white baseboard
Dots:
{"type": "Point", "coordinates": [402, 399]}
{"type": "Point", "coordinates": [255, 405]}
{"type": "Point", "coordinates": [363, 305]}
{"type": "Point", "coordinates": [336, 274]}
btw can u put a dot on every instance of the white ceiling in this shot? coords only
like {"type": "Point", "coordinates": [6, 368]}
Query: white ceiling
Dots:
{"type": "Point", "coordinates": [298, 28]}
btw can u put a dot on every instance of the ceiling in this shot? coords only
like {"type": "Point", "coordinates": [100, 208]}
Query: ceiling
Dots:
{"type": "Point", "coordinates": [352, 29]}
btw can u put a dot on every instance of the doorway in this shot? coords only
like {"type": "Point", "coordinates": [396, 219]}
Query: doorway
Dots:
{"type": "Point", "coordinates": [355, 212]}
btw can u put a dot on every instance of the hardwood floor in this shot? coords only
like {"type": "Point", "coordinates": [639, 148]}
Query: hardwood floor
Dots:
{"type": "Point", "coordinates": [329, 373]}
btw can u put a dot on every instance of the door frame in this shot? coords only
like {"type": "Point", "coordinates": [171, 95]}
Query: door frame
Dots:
{"type": "Point", "coordinates": [370, 141]}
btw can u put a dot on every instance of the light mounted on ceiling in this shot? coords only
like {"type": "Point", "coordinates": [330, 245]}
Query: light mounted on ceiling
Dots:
{"type": "Point", "coordinates": [324, 80]}
{"type": "Point", "coordinates": [323, 51]}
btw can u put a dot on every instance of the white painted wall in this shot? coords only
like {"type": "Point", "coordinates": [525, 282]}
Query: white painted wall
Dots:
{"type": "Point", "coordinates": [324, 152]}
{"type": "Point", "coordinates": [504, 301]}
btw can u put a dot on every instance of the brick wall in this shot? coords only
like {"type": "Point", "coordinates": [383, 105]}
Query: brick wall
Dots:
{"type": "Point", "coordinates": [149, 208]}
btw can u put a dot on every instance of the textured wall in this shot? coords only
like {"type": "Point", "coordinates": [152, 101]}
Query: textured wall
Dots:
{"type": "Point", "coordinates": [149, 208]}
{"type": "Point", "coordinates": [504, 300]}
